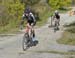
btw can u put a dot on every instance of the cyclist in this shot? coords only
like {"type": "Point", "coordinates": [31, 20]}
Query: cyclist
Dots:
{"type": "Point", "coordinates": [56, 16]}
{"type": "Point", "coordinates": [31, 21]}
{"type": "Point", "coordinates": [25, 15]}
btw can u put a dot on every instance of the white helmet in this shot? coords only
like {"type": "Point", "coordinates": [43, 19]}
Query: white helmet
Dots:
{"type": "Point", "coordinates": [56, 12]}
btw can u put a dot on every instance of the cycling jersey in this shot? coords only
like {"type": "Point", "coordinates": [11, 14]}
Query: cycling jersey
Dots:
{"type": "Point", "coordinates": [29, 17]}
{"type": "Point", "coordinates": [57, 16]}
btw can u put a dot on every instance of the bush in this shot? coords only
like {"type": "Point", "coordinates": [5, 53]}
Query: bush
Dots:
{"type": "Point", "coordinates": [30, 2]}
{"type": "Point", "coordinates": [56, 4]}
{"type": "Point", "coordinates": [10, 11]}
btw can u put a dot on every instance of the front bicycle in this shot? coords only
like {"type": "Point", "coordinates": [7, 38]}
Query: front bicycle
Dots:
{"type": "Point", "coordinates": [27, 39]}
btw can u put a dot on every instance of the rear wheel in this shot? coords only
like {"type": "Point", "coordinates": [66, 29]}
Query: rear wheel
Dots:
{"type": "Point", "coordinates": [56, 26]}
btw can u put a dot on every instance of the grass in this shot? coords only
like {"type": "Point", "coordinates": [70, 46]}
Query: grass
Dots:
{"type": "Point", "coordinates": [10, 28]}
{"type": "Point", "coordinates": [68, 37]}
{"type": "Point", "coordinates": [56, 52]}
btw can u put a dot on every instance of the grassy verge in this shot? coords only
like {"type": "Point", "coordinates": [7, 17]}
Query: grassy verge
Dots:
{"type": "Point", "coordinates": [68, 37]}
{"type": "Point", "coordinates": [56, 52]}
{"type": "Point", "coordinates": [8, 29]}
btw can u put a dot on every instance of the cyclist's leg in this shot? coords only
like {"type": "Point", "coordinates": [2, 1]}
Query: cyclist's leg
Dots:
{"type": "Point", "coordinates": [33, 32]}
{"type": "Point", "coordinates": [55, 22]}
{"type": "Point", "coordinates": [58, 22]}
{"type": "Point", "coordinates": [28, 32]}
{"type": "Point", "coordinates": [29, 28]}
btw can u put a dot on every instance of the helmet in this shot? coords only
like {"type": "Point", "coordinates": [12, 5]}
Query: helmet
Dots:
{"type": "Point", "coordinates": [56, 12]}
{"type": "Point", "coordinates": [27, 10]}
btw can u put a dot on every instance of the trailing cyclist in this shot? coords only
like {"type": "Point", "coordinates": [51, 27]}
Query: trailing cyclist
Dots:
{"type": "Point", "coordinates": [56, 17]}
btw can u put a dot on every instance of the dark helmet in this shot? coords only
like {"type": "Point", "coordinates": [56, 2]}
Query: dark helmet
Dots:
{"type": "Point", "coordinates": [27, 10]}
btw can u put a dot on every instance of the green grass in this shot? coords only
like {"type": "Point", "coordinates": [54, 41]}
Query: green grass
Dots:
{"type": "Point", "coordinates": [10, 28]}
{"type": "Point", "coordinates": [56, 52]}
{"type": "Point", "coordinates": [68, 37]}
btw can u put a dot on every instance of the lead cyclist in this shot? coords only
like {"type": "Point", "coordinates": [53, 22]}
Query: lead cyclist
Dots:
{"type": "Point", "coordinates": [31, 22]}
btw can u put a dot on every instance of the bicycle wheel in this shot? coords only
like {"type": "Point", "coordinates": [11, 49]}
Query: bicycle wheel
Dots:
{"type": "Point", "coordinates": [56, 27]}
{"type": "Point", "coordinates": [24, 42]}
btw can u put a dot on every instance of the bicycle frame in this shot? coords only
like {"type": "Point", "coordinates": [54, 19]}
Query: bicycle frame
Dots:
{"type": "Point", "coordinates": [29, 30]}
{"type": "Point", "coordinates": [27, 39]}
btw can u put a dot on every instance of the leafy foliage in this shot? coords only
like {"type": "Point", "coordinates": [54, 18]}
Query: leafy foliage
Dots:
{"type": "Point", "coordinates": [30, 2]}
{"type": "Point", "coordinates": [15, 8]}
{"type": "Point", "coordinates": [56, 4]}
{"type": "Point", "coordinates": [10, 12]}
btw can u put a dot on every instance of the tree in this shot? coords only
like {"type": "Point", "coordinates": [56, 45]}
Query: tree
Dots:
{"type": "Point", "coordinates": [30, 2]}
{"type": "Point", "coordinates": [15, 8]}
{"type": "Point", "coordinates": [10, 11]}
{"type": "Point", "coordinates": [56, 4]}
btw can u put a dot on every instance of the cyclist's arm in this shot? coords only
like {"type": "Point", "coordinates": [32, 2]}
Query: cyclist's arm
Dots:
{"type": "Point", "coordinates": [53, 17]}
{"type": "Point", "coordinates": [23, 16]}
{"type": "Point", "coordinates": [22, 20]}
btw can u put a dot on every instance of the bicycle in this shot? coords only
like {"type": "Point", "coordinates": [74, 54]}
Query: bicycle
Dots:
{"type": "Point", "coordinates": [56, 25]}
{"type": "Point", "coordinates": [28, 39]}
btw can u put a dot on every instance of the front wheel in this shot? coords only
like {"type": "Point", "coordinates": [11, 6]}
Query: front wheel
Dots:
{"type": "Point", "coordinates": [24, 42]}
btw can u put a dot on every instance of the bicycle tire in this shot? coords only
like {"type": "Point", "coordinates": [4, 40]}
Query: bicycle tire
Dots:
{"type": "Point", "coordinates": [24, 41]}
{"type": "Point", "coordinates": [56, 26]}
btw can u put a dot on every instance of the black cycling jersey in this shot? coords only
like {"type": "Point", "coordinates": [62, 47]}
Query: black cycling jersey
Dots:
{"type": "Point", "coordinates": [57, 16]}
{"type": "Point", "coordinates": [29, 17]}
